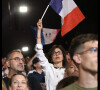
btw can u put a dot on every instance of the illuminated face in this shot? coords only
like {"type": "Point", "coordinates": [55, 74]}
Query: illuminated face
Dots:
{"type": "Point", "coordinates": [89, 57]}
{"type": "Point", "coordinates": [15, 64]}
{"type": "Point", "coordinates": [71, 69]}
{"type": "Point", "coordinates": [19, 83]}
{"type": "Point", "coordinates": [57, 56]}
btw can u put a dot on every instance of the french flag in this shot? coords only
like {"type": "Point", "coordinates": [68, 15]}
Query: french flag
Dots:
{"type": "Point", "coordinates": [47, 35]}
{"type": "Point", "coordinates": [70, 14]}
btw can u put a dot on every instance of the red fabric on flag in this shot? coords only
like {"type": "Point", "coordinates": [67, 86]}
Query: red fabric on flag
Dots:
{"type": "Point", "coordinates": [70, 14]}
{"type": "Point", "coordinates": [56, 34]}
{"type": "Point", "coordinates": [71, 20]}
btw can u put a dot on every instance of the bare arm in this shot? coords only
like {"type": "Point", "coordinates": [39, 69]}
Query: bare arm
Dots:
{"type": "Point", "coordinates": [39, 48]}
{"type": "Point", "coordinates": [39, 29]}
{"type": "Point", "coordinates": [29, 64]}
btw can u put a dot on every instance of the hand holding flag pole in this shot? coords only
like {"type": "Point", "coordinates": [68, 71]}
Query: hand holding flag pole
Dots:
{"type": "Point", "coordinates": [48, 35]}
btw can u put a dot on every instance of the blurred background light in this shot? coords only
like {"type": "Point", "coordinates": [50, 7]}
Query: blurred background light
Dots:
{"type": "Point", "coordinates": [25, 49]}
{"type": "Point", "coordinates": [23, 9]}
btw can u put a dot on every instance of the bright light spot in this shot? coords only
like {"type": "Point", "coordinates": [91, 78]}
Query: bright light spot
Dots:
{"type": "Point", "coordinates": [23, 9]}
{"type": "Point", "coordinates": [25, 49]}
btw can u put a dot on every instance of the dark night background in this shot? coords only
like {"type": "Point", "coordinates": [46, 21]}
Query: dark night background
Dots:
{"type": "Point", "coordinates": [16, 27]}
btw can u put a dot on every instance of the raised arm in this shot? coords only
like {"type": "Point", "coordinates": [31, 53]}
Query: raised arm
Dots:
{"type": "Point", "coordinates": [29, 64]}
{"type": "Point", "coordinates": [39, 47]}
{"type": "Point", "coordinates": [39, 29]}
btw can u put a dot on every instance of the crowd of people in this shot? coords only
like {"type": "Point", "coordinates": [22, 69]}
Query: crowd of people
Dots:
{"type": "Point", "coordinates": [74, 69]}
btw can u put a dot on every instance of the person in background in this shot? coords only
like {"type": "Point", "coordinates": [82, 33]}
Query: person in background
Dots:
{"type": "Point", "coordinates": [71, 74]}
{"type": "Point", "coordinates": [3, 61]}
{"type": "Point", "coordinates": [71, 69]}
{"type": "Point", "coordinates": [84, 52]}
{"type": "Point", "coordinates": [68, 58]}
{"type": "Point", "coordinates": [29, 64]}
{"type": "Point", "coordinates": [37, 72]}
{"type": "Point", "coordinates": [5, 69]}
{"type": "Point", "coordinates": [54, 71]}
{"type": "Point", "coordinates": [15, 63]}
{"type": "Point", "coordinates": [18, 82]}
{"type": "Point", "coordinates": [27, 60]}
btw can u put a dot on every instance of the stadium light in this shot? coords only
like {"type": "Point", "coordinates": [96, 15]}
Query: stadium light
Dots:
{"type": "Point", "coordinates": [25, 49]}
{"type": "Point", "coordinates": [23, 9]}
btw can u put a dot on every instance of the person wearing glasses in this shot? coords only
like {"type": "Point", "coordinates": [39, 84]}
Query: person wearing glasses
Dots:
{"type": "Point", "coordinates": [53, 65]}
{"type": "Point", "coordinates": [84, 52]}
{"type": "Point", "coordinates": [71, 73]}
{"type": "Point", "coordinates": [15, 63]}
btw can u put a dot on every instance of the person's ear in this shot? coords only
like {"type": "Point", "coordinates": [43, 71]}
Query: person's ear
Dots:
{"type": "Point", "coordinates": [77, 58]}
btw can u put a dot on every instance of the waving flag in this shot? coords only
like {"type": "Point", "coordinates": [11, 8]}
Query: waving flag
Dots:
{"type": "Point", "coordinates": [70, 14]}
{"type": "Point", "coordinates": [47, 35]}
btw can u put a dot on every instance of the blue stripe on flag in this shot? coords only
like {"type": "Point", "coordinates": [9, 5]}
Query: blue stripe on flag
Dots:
{"type": "Point", "coordinates": [56, 5]}
{"type": "Point", "coordinates": [35, 34]}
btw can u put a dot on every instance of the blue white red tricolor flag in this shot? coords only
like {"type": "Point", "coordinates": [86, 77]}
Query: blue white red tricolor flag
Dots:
{"type": "Point", "coordinates": [70, 14]}
{"type": "Point", "coordinates": [47, 35]}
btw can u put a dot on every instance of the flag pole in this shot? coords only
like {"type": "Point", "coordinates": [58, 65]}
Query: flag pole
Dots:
{"type": "Point", "coordinates": [44, 12]}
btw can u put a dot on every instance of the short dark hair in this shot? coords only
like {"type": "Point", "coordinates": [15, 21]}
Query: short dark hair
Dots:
{"type": "Point", "coordinates": [35, 60]}
{"type": "Point", "coordinates": [77, 42]}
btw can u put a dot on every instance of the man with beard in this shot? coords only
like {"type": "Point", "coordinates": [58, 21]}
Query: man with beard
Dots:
{"type": "Point", "coordinates": [15, 63]}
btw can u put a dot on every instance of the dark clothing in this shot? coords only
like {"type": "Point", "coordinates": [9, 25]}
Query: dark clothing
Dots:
{"type": "Point", "coordinates": [33, 83]}
{"type": "Point", "coordinates": [66, 81]}
{"type": "Point", "coordinates": [40, 77]}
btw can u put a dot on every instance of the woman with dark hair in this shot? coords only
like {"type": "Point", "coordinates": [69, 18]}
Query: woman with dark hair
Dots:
{"type": "Point", "coordinates": [54, 71]}
{"type": "Point", "coordinates": [52, 52]}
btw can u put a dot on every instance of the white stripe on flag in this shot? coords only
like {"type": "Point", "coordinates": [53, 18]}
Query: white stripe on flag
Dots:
{"type": "Point", "coordinates": [67, 7]}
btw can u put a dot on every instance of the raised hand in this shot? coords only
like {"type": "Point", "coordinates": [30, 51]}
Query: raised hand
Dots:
{"type": "Point", "coordinates": [39, 24]}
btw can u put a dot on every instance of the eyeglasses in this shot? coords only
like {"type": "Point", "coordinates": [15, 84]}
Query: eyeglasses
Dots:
{"type": "Point", "coordinates": [17, 59]}
{"type": "Point", "coordinates": [59, 52]}
{"type": "Point", "coordinates": [92, 50]}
